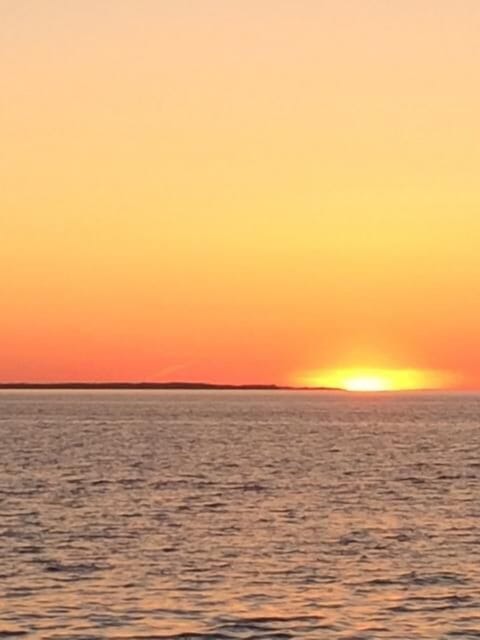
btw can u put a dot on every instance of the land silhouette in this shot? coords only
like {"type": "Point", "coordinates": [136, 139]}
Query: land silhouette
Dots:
{"type": "Point", "coordinates": [140, 386]}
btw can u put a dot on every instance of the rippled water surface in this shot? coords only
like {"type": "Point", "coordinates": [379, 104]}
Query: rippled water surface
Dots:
{"type": "Point", "coordinates": [236, 515]}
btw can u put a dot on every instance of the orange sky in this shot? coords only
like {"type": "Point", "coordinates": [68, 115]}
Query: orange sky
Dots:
{"type": "Point", "coordinates": [255, 191]}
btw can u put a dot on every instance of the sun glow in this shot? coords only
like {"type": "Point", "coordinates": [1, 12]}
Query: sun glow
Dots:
{"type": "Point", "coordinates": [377, 380]}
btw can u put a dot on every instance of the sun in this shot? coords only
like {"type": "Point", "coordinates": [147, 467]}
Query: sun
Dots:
{"type": "Point", "coordinates": [367, 383]}
{"type": "Point", "coordinates": [364, 379]}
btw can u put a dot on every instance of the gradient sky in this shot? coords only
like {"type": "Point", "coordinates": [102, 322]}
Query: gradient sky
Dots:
{"type": "Point", "coordinates": [255, 191]}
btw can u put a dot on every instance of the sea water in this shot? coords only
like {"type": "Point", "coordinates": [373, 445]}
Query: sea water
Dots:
{"type": "Point", "coordinates": [239, 515]}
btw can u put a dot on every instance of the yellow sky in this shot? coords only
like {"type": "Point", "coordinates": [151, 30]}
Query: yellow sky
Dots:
{"type": "Point", "coordinates": [255, 191]}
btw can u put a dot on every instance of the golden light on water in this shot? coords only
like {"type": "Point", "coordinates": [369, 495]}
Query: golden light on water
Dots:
{"type": "Point", "coordinates": [377, 380]}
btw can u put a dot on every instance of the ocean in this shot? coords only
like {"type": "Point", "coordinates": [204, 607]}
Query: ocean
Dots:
{"type": "Point", "coordinates": [239, 515]}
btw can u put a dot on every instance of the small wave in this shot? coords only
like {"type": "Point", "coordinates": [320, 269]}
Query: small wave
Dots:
{"type": "Point", "coordinates": [78, 568]}
{"type": "Point", "coordinates": [445, 578]}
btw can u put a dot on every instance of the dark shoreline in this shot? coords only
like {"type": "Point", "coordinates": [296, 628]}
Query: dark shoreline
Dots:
{"type": "Point", "coordinates": [141, 386]}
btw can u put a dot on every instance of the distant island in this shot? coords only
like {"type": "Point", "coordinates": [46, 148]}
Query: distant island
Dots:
{"type": "Point", "coordinates": [140, 386]}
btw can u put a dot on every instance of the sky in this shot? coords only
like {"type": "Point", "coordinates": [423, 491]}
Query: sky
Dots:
{"type": "Point", "coordinates": [265, 191]}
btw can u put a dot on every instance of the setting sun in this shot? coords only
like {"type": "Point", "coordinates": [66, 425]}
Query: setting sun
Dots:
{"type": "Point", "coordinates": [366, 379]}
{"type": "Point", "coordinates": [367, 383]}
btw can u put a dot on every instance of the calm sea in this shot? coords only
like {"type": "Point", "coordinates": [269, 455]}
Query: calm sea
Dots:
{"type": "Point", "coordinates": [236, 515]}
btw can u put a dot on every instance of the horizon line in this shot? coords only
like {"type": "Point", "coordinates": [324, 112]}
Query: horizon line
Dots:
{"type": "Point", "coordinates": [196, 386]}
